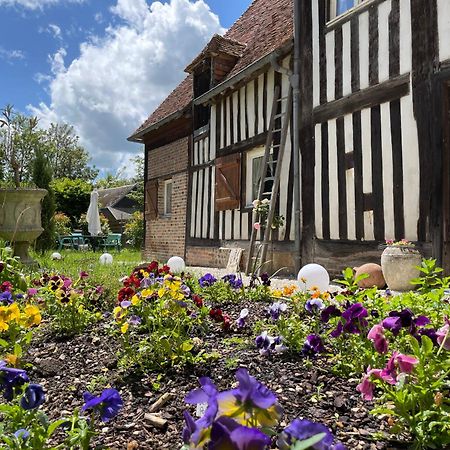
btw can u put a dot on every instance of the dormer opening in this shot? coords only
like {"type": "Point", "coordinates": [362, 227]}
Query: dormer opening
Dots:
{"type": "Point", "coordinates": [202, 84]}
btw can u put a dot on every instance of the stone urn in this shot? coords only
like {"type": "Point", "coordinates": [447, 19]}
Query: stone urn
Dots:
{"type": "Point", "coordinates": [398, 263]}
{"type": "Point", "coordinates": [20, 219]}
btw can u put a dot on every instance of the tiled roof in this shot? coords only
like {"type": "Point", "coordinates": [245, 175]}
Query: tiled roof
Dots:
{"type": "Point", "coordinates": [218, 44]}
{"type": "Point", "coordinates": [265, 26]}
{"type": "Point", "coordinates": [109, 197]}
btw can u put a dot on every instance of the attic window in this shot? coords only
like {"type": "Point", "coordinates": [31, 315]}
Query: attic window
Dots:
{"type": "Point", "coordinates": [202, 84]}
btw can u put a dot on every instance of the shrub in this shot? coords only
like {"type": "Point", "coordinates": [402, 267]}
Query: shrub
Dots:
{"type": "Point", "coordinates": [62, 224]}
{"type": "Point", "coordinates": [134, 230]}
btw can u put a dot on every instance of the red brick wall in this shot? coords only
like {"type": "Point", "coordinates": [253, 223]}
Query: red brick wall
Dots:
{"type": "Point", "coordinates": [165, 235]}
{"type": "Point", "coordinates": [207, 256]}
{"type": "Point", "coordinates": [168, 159]}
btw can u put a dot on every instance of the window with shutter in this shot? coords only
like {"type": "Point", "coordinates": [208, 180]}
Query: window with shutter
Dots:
{"type": "Point", "coordinates": [228, 182]}
{"type": "Point", "coordinates": [151, 200]}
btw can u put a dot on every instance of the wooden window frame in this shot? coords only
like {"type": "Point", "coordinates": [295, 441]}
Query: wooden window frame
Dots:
{"type": "Point", "coordinates": [332, 9]}
{"type": "Point", "coordinates": [252, 154]}
{"type": "Point", "coordinates": [166, 211]}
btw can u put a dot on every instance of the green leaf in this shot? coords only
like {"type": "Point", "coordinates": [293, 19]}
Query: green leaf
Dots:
{"type": "Point", "coordinates": [187, 346]}
{"type": "Point", "coordinates": [4, 343]}
{"type": "Point", "coordinates": [303, 445]}
{"type": "Point", "coordinates": [54, 425]}
{"type": "Point", "coordinates": [17, 350]}
{"type": "Point", "coordinates": [427, 345]}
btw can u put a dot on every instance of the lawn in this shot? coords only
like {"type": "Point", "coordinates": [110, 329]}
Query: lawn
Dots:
{"type": "Point", "coordinates": [146, 359]}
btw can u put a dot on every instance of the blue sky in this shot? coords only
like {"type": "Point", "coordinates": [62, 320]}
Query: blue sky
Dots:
{"type": "Point", "coordinates": [102, 65]}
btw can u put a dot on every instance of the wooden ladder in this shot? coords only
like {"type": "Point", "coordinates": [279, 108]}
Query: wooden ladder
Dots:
{"type": "Point", "coordinates": [272, 194]}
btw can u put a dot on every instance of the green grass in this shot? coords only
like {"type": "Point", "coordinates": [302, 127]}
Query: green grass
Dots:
{"type": "Point", "coordinates": [73, 262]}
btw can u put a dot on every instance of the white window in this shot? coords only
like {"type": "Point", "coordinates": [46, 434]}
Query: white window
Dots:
{"type": "Point", "coordinates": [168, 197]}
{"type": "Point", "coordinates": [338, 7]}
{"type": "Point", "coordinates": [253, 175]}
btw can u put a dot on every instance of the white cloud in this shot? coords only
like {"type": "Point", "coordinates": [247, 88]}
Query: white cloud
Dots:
{"type": "Point", "coordinates": [36, 4]}
{"type": "Point", "coordinates": [52, 29]}
{"type": "Point", "coordinates": [120, 78]}
{"type": "Point", "coordinates": [10, 55]}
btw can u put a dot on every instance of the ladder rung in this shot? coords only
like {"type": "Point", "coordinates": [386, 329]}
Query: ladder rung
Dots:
{"type": "Point", "coordinates": [275, 145]}
{"type": "Point", "coordinates": [277, 116]}
{"type": "Point", "coordinates": [277, 130]}
{"type": "Point", "coordinates": [267, 193]}
{"type": "Point", "coordinates": [282, 98]}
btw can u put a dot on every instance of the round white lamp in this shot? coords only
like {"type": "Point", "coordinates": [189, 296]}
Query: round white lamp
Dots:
{"type": "Point", "coordinates": [56, 255]}
{"type": "Point", "coordinates": [313, 276]}
{"type": "Point", "coordinates": [176, 264]}
{"type": "Point", "coordinates": [106, 258]}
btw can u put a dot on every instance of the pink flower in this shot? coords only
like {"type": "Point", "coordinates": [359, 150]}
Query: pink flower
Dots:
{"type": "Point", "coordinates": [32, 291]}
{"type": "Point", "coordinates": [380, 343]}
{"type": "Point", "coordinates": [406, 363]}
{"type": "Point", "coordinates": [256, 225]}
{"type": "Point", "coordinates": [443, 335]}
{"type": "Point", "coordinates": [366, 386]}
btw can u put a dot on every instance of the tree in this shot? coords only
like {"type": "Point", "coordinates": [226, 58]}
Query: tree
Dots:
{"type": "Point", "coordinates": [72, 197]}
{"type": "Point", "coordinates": [42, 177]}
{"type": "Point", "coordinates": [67, 157]}
{"type": "Point", "coordinates": [138, 194]}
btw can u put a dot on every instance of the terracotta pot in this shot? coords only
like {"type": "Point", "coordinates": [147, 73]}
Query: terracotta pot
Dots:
{"type": "Point", "coordinates": [375, 276]}
{"type": "Point", "coordinates": [398, 263]}
{"type": "Point", "coordinates": [20, 219]}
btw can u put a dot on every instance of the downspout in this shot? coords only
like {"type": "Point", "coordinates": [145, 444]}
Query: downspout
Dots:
{"type": "Point", "coordinates": [295, 82]}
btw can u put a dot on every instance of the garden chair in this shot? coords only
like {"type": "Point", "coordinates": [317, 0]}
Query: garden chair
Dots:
{"type": "Point", "coordinates": [113, 241]}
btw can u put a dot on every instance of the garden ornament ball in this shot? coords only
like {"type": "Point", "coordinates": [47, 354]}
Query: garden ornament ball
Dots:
{"type": "Point", "coordinates": [56, 255]}
{"type": "Point", "coordinates": [312, 277]}
{"type": "Point", "coordinates": [176, 264]}
{"type": "Point", "coordinates": [106, 258]}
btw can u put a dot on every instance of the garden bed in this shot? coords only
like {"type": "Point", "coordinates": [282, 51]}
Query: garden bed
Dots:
{"type": "Point", "coordinates": [159, 334]}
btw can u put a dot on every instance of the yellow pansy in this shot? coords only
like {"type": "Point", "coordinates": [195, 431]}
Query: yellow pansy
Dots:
{"type": "Point", "coordinates": [277, 293]}
{"type": "Point", "coordinates": [11, 359]}
{"type": "Point", "coordinates": [135, 300]}
{"type": "Point", "coordinates": [146, 293]}
{"type": "Point", "coordinates": [14, 312]}
{"type": "Point", "coordinates": [32, 316]}
{"type": "Point", "coordinates": [119, 313]}
{"type": "Point", "coordinates": [124, 327]}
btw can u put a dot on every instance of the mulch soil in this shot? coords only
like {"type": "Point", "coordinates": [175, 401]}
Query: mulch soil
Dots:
{"type": "Point", "coordinates": [66, 368]}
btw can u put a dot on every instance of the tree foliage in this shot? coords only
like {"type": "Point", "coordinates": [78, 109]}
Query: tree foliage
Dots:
{"type": "Point", "coordinates": [72, 197]}
{"type": "Point", "coordinates": [21, 139]}
{"type": "Point", "coordinates": [42, 177]}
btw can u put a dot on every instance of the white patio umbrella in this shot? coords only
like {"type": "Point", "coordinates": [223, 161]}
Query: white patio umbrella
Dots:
{"type": "Point", "coordinates": [93, 216]}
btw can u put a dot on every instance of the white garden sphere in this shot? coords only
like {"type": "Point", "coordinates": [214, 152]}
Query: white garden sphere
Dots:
{"type": "Point", "coordinates": [313, 276]}
{"type": "Point", "coordinates": [56, 255]}
{"type": "Point", "coordinates": [106, 258]}
{"type": "Point", "coordinates": [176, 264]}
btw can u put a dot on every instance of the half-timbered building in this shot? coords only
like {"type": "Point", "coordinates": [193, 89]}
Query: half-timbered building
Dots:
{"type": "Point", "coordinates": [373, 134]}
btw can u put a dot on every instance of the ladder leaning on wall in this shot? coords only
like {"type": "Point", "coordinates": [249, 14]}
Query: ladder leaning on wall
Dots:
{"type": "Point", "coordinates": [273, 135]}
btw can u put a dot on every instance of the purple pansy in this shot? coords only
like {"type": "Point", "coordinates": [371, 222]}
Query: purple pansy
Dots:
{"type": "Point", "coordinates": [265, 279]}
{"type": "Point", "coordinates": [300, 430]}
{"type": "Point", "coordinates": [6, 298]}
{"type": "Point", "coordinates": [226, 433]}
{"type": "Point", "coordinates": [240, 322]}
{"type": "Point", "coordinates": [250, 393]}
{"type": "Point", "coordinates": [314, 305]}
{"type": "Point", "coordinates": [207, 280]}
{"type": "Point", "coordinates": [328, 312]}
{"type": "Point", "coordinates": [33, 397]}
{"type": "Point", "coordinates": [275, 310]}
{"type": "Point", "coordinates": [404, 319]}
{"type": "Point", "coordinates": [313, 345]}
{"type": "Point", "coordinates": [268, 344]}
{"type": "Point", "coordinates": [107, 404]}
{"type": "Point", "coordinates": [135, 320]}
{"type": "Point", "coordinates": [233, 281]}
{"type": "Point", "coordinates": [354, 320]}
{"type": "Point", "coordinates": [207, 394]}
{"type": "Point", "coordinates": [11, 378]}
{"type": "Point", "coordinates": [22, 434]}
{"type": "Point", "coordinates": [125, 304]}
